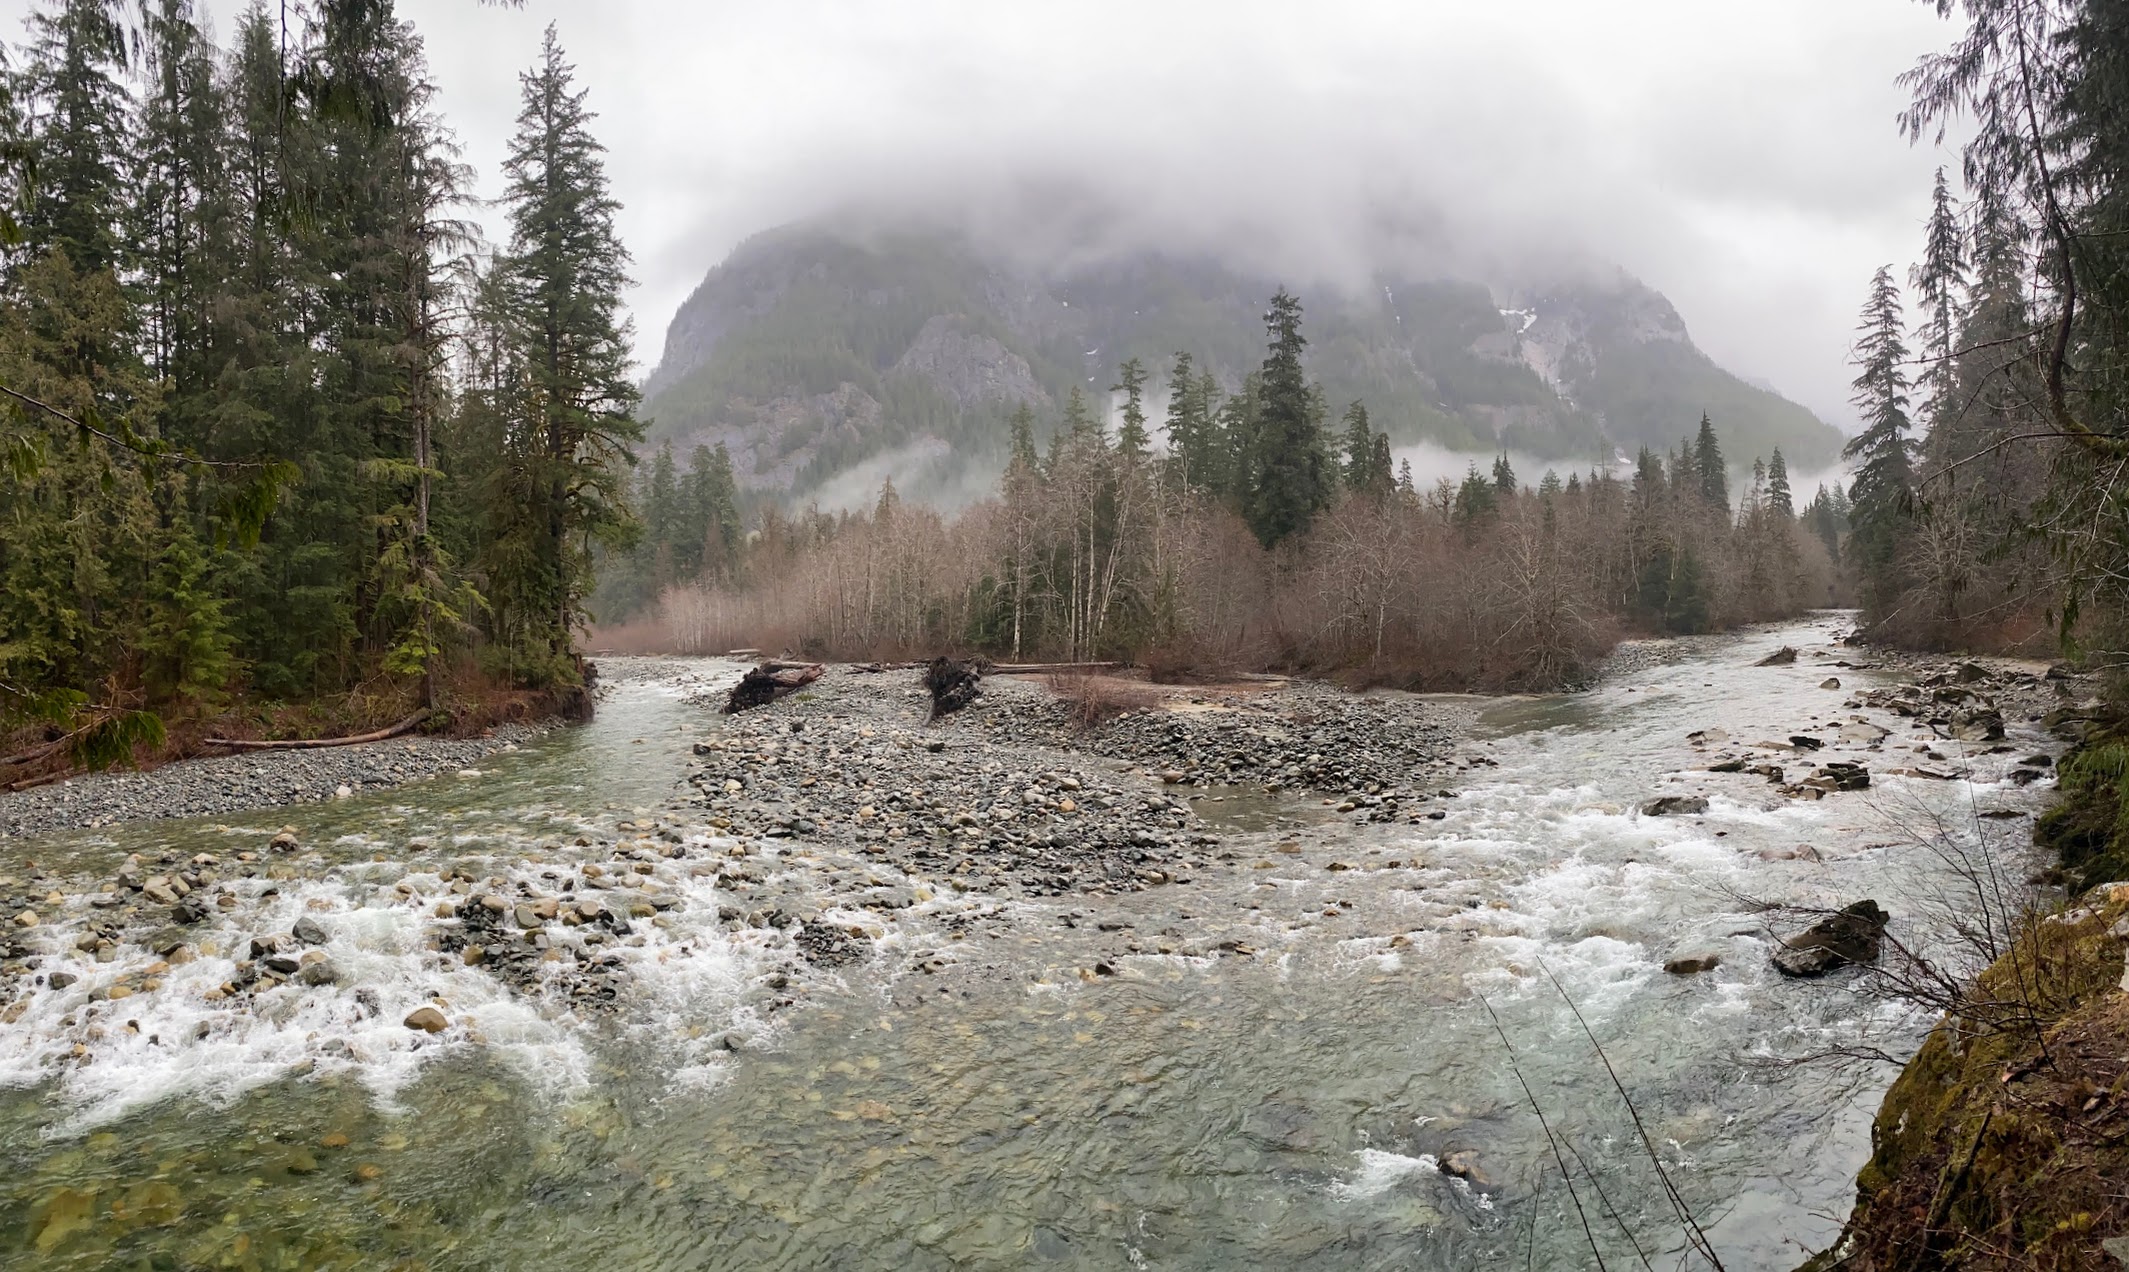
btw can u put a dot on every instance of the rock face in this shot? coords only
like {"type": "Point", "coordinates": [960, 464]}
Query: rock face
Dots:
{"type": "Point", "coordinates": [914, 341]}
{"type": "Point", "coordinates": [1853, 935]}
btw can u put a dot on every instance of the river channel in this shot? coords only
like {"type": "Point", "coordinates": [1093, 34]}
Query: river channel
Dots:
{"type": "Point", "coordinates": [1286, 1101]}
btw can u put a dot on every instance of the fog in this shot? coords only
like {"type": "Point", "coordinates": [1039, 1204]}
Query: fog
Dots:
{"type": "Point", "coordinates": [1741, 159]}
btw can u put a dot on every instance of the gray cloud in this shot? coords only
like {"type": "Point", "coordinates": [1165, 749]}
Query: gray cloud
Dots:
{"type": "Point", "coordinates": [1742, 159]}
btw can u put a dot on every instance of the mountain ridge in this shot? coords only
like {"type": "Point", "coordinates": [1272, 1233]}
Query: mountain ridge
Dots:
{"type": "Point", "coordinates": [812, 351]}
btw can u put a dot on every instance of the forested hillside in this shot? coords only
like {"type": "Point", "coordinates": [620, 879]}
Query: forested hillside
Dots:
{"type": "Point", "coordinates": [814, 348]}
{"type": "Point", "coordinates": [287, 448]}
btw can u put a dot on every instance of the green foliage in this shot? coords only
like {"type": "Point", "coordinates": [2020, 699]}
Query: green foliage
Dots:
{"type": "Point", "coordinates": [1289, 469]}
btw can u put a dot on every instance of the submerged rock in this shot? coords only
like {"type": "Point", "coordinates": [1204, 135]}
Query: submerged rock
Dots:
{"type": "Point", "coordinates": [1853, 935]}
{"type": "Point", "coordinates": [1674, 805]}
{"type": "Point", "coordinates": [1779, 658]}
{"type": "Point", "coordinates": [1693, 963]}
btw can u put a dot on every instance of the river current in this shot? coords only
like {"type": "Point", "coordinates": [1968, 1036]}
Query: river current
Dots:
{"type": "Point", "coordinates": [1289, 1104]}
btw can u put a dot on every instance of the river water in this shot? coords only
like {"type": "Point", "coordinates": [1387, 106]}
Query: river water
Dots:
{"type": "Point", "coordinates": [1282, 1106]}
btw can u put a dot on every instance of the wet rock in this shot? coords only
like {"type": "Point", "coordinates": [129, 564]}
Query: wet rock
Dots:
{"type": "Point", "coordinates": [28, 918]}
{"type": "Point", "coordinates": [1977, 724]}
{"type": "Point", "coordinates": [1839, 775]}
{"type": "Point", "coordinates": [285, 841]}
{"type": "Point", "coordinates": [1464, 1165]}
{"type": "Point", "coordinates": [427, 1020]}
{"type": "Point", "coordinates": [309, 931]}
{"type": "Point", "coordinates": [1693, 964]}
{"type": "Point", "coordinates": [60, 980]}
{"type": "Point", "coordinates": [1830, 682]}
{"type": "Point", "coordinates": [1675, 805]}
{"type": "Point", "coordinates": [1782, 657]}
{"type": "Point", "coordinates": [1802, 852]}
{"type": "Point", "coordinates": [1805, 742]}
{"type": "Point", "coordinates": [321, 972]}
{"type": "Point", "coordinates": [1855, 934]}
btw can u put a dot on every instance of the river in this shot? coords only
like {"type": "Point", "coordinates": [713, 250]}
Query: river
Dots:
{"type": "Point", "coordinates": [1283, 1106]}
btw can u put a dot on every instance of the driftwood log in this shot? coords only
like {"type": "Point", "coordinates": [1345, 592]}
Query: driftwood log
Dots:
{"type": "Point", "coordinates": [768, 682]}
{"type": "Point", "coordinates": [953, 684]}
{"type": "Point", "coordinates": [1051, 669]}
{"type": "Point", "coordinates": [310, 744]}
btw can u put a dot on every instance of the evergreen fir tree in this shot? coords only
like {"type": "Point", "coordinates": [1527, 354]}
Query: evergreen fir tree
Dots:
{"type": "Point", "coordinates": [1290, 473]}
{"type": "Point", "coordinates": [1780, 501]}
{"type": "Point", "coordinates": [1359, 447]}
{"type": "Point", "coordinates": [564, 273]}
{"type": "Point", "coordinates": [1021, 450]}
{"type": "Point", "coordinates": [72, 84]}
{"type": "Point", "coordinates": [1938, 279]}
{"type": "Point", "coordinates": [1131, 437]}
{"type": "Point", "coordinates": [1503, 475]}
{"type": "Point", "coordinates": [1709, 467]}
{"type": "Point", "coordinates": [1882, 453]}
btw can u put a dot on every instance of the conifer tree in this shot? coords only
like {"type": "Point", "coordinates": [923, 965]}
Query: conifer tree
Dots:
{"type": "Point", "coordinates": [72, 85]}
{"type": "Point", "coordinates": [564, 273]}
{"type": "Point", "coordinates": [1290, 473]}
{"type": "Point", "coordinates": [1709, 467]}
{"type": "Point", "coordinates": [1503, 475]}
{"type": "Point", "coordinates": [1882, 453]}
{"type": "Point", "coordinates": [1938, 279]}
{"type": "Point", "coordinates": [1131, 437]}
{"type": "Point", "coordinates": [1359, 447]}
{"type": "Point", "coordinates": [1780, 501]}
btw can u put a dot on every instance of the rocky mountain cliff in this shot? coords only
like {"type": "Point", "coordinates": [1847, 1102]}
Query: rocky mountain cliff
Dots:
{"type": "Point", "coordinates": [826, 360]}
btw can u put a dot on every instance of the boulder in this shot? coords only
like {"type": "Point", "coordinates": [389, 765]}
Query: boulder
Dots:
{"type": "Point", "coordinates": [1830, 682]}
{"type": "Point", "coordinates": [1854, 934]}
{"type": "Point", "coordinates": [427, 1020]}
{"type": "Point", "coordinates": [1675, 805]}
{"type": "Point", "coordinates": [309, 931]}
{"type": "Point", "coordinates": [1839, 775]}
{"type": "Point", "coordinates": [1693, 963]}
{"type": "Point", "coordinates": [1782, 657]}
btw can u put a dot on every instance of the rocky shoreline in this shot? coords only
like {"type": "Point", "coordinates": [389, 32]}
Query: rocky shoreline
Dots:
{"type": "Point", "coordinates": [247, 780]}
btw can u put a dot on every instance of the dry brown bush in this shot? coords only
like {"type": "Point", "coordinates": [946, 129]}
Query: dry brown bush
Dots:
{"type": "Point", "coordinates": [1094, 699]}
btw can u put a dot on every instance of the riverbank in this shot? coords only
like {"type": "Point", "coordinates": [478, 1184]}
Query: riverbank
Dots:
{"type": "Point", "coordinates": [246, 780]}
{"type": "Point", "coordinates": [1183, 965]}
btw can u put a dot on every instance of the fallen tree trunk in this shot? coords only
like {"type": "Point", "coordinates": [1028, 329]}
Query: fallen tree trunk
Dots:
{"type": "Point", "coordinates": [768, 682]}
{"type": "Point", "coordinates": [310, 744]}
{"type": "Point", "coordinates": [1051, 669]}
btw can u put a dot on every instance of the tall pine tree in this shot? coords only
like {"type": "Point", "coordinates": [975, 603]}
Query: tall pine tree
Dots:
{"type": "Point", "coordinates": [569, 445]}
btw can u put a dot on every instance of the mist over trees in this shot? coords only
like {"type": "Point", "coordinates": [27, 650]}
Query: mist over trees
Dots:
{"type": "Point", "coordinates": [282, 435]}
{"type": "Point", "coordinates": [1264, 537]}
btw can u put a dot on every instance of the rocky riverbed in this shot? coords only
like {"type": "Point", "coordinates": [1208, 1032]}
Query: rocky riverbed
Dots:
{"type": "Point", "coordinates": [1008, 794]}
{"type": "Point", "coordinates": [1230, 938]}
{"type": "Point", "coordinates": [255, 779]}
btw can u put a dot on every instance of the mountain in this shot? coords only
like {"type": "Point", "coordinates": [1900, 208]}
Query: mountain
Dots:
{"type": "Point", "coordinates": [827, 359]}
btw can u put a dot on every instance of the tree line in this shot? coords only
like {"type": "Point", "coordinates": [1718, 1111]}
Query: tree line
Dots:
{"type": "Point", "coordinates": [1989, 496]}
{"type": "Point", "coordinates": [1262, 536]}
{"type": "Point", "coordinates": [286, 444]}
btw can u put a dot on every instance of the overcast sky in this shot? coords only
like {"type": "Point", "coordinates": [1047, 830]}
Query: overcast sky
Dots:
{"type": "Point", "coordinates": [1741, 158]}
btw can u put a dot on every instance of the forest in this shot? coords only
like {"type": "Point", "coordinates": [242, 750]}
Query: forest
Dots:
{"type": "Point", "coordinates": [1262, 535]}
{"type": "Point", "coordinates": [289, 448]}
